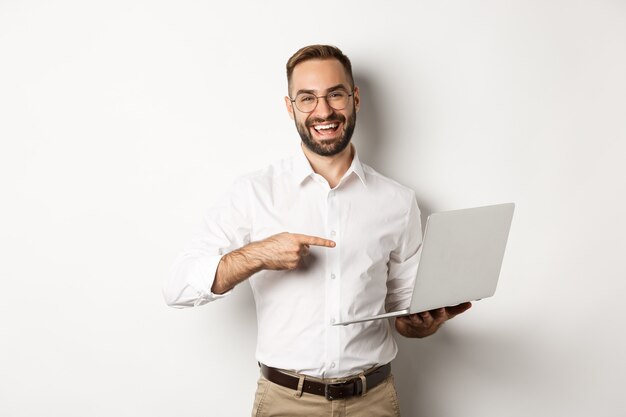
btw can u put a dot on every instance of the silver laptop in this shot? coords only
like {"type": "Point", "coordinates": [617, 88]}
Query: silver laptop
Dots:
{"type": "Point", "coordinates": [462, 253]}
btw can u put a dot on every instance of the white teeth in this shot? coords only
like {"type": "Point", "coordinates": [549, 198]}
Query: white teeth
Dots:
{"type": "Point", "coordinates": [324, 127]}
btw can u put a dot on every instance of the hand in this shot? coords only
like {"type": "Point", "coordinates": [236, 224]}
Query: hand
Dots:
{"type": "Point", "coordinates": [428, 322]}
{"type": "Point", "coordinates": [281, 251]}
{"type": "Point", "coordinates": [286, 250]}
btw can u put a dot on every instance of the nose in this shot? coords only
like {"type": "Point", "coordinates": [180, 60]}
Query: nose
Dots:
{"type": "Point", "coordinates": [322, 110]}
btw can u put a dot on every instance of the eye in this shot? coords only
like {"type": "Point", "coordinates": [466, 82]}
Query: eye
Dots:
{"type": "Point", "coordinates": [336, 95]}
{"type": "Point", "coordinates": [306, 98]}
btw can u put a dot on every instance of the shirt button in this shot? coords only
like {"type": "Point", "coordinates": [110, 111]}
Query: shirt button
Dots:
{"type": "Point", "coordinates": [332, 321]}
{"type": "Point", "coordinates": [332, 276]}
{"type": "Point", "coordinates": [332, 364]}
{"type": "Point", "coordinates": [333, 233]}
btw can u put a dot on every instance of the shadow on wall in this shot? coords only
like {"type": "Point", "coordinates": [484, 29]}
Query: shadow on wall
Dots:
{"type": "Point", "coordinates": [369, 124]}
{"type": "Point", "coordinates": [371, 142]}
{"type": "Point", "coordinates": [427, 370]}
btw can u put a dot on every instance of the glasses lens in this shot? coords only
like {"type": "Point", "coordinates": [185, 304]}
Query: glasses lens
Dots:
{"type": "Point", "coordinates": [337, 99]}
{"type": "Point", "coordinates": [306, 102]}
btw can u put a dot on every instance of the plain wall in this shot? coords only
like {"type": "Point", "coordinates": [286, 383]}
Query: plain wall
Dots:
{"type": "Point", "coordinates": [121, 121]}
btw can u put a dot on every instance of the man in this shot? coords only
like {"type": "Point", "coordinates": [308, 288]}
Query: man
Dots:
{"type": "Point", "coordinates": [321, 237]}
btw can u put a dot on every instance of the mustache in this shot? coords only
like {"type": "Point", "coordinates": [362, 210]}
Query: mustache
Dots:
{"type": "Point", "coordinates": [332, 118]}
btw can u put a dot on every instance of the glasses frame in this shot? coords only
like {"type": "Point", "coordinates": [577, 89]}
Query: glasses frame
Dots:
{"type": "Point", "coordinates": [317, 100]}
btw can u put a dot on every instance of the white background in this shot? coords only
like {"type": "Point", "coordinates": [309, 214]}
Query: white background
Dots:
{"type": "Point", "coordinates": [121, 121]}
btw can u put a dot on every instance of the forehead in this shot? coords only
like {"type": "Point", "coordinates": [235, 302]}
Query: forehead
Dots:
{"type": "Point", "coordinates": [318, 75]}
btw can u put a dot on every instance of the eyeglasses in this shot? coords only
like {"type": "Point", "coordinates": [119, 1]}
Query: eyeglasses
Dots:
{"type": "Point", "coordinates": [307, 102]}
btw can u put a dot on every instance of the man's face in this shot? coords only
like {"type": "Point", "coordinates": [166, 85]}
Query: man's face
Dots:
{"type": "Point", "coordinates": [325, 131]}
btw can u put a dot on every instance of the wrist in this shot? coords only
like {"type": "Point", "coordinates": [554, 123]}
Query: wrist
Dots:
{"type": "Point", "coordinates": [254, 255]}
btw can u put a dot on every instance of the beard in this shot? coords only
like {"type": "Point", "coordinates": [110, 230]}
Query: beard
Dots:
{"type": "Point", "coordinates": [332, 146]}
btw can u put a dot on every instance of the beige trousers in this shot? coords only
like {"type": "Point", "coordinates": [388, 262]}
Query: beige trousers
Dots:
{"type": "Point", "coordinates": [273, 400]}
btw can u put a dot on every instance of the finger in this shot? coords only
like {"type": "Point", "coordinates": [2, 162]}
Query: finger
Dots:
{"type": "Point", "coordinates": [315, 240]}
{"type": "Point", "coordinates": [412, 321]}
{"type": "Point", "coordinates": [456, 310]}
{"type": "Point", "coordinates": [438, 313]}
{"type": "Point", "coordinates": [425, 315]}
{"type": "Point", "coordinates": [304, 250]}
{"type": "Point", "coordinates": [415, 319]}
{"type": "Point", "coordinates": [423, 319]}
{"type": "Point", "coordinates": [427, 318]}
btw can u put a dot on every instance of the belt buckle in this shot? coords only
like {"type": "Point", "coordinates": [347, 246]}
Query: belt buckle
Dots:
{"type": "Point", "coordinates": [328, 394]}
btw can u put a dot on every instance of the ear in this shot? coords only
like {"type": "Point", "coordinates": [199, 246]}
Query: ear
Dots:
{"type": "Point", "coordinates": [289, 106]}
{"type": "Point", "coordinates": [357, 98]}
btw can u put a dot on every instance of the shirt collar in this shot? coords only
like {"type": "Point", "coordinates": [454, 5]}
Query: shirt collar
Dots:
{"type": "Point", "coordinates": [302, 167]}
{"type": "Point", "coordinates": [357, 167]}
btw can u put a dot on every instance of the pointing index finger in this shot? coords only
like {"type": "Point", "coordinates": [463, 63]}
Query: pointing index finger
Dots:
{"type": "Point", "coordinates": [316, 241]}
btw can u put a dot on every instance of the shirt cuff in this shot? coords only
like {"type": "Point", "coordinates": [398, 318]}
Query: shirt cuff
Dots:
{"type": "Point", "coordinates": [203, 277]}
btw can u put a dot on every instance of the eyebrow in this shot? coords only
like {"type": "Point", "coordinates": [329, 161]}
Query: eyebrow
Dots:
{"type": "Point", "coordinates": [328, 90]}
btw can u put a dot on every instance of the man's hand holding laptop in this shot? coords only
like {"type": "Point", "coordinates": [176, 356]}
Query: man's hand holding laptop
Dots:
{"type": "Point", "coordinates": [428, 322]}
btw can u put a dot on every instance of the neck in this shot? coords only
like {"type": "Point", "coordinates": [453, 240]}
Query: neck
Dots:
{"type": "Point", "coordinates": [332, 168]}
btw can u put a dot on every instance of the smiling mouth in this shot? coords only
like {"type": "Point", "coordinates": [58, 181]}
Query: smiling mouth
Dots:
{"type": "Point", "coordinates": [326, 129]}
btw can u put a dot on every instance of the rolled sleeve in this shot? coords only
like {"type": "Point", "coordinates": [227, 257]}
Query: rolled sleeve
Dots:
{"type": "Point", "coordinates": [191, 280]}
{"type": "Point", "coordinates": [225, 227]}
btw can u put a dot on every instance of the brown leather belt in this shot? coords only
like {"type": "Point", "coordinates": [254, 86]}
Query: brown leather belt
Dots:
{"type": "Point", "coordinates": [349, 388]}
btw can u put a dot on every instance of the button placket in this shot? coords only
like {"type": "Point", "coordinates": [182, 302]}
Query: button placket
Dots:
{"type": "Point", "coordinates": [334, 287]}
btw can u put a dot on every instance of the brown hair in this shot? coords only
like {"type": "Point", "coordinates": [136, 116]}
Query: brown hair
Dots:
{"type": "Point", "coordinates": [319, 52]}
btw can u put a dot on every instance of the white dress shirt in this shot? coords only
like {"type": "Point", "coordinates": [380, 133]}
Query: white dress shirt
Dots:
{"type": "Point", "coordinates": [375, 223]}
